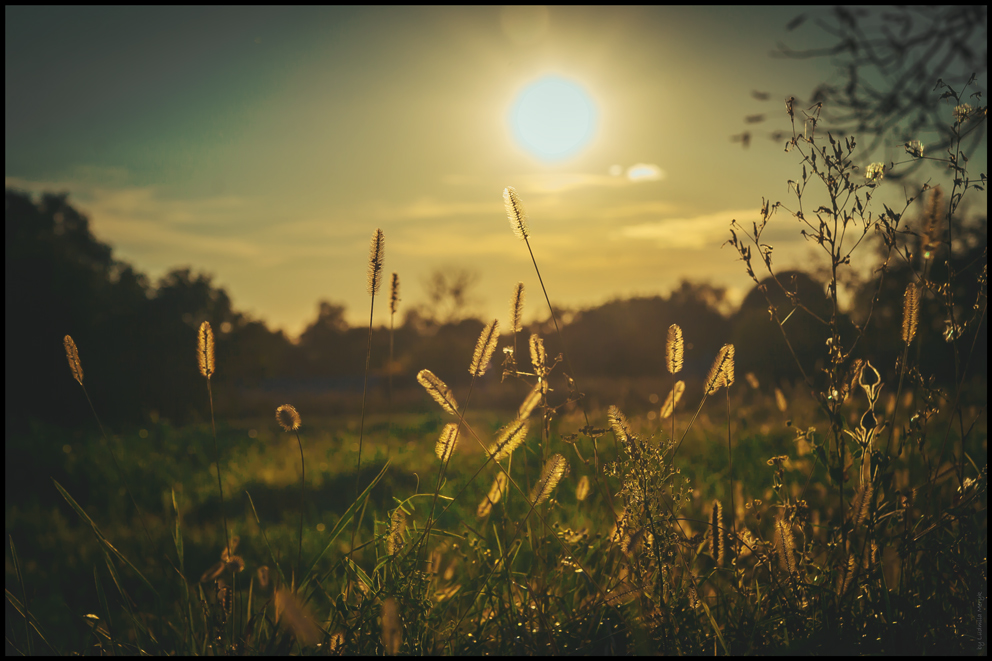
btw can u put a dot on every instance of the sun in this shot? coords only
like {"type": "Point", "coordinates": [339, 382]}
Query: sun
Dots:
{"type": "Point", "coordinates": [553, 118]}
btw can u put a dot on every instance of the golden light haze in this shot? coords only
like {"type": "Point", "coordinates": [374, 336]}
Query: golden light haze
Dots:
{"type": "Point", "coordinates": [264, 145]}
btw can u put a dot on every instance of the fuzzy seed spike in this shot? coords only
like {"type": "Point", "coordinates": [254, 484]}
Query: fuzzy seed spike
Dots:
{"type": "Point", "coordinates": [553, 471]}
{"type": "Point", "coordinates": [495, 495]}
{"type": "Point", "coordinates": [288, 418]}
{"type": "Point", "coordinates": [397, 524]}
{"type": "Point", "coordinates": [515, 212]}
{"type": "Point", "coordinates": [582, 489]}
{"type": "Point", "coordinates": [205, 349]}
{"type": "Point", "coordinates": [517, 308]}
{"type": "Point", "coordinates": [377, 255]}
{"type": "Point", "coordinates": [484, 349]}
{"type": "Point", "coordinates": [619, 424]}
{"type": "Point", "coordinates": [786, 545]}
{"type": "Point", "coordinates": [437, 389]}
{"type": "Point", "coordinates": [509, 439]}
{"type": "Point", "coordinates": [722, 372]}
{"type": "Point", "coordinates": [910, 313]}
{"type": "Point", "coordinates": [538, 357]}
{"type": "Point", "coordinates": [715, 533]}
{"type": "Point", "coordinates": [394, 294]}
{"type": "Point", "coordinates": [674, 395]}
{"type": "Point", "coordinates": [446, 442]}
{"type": "Point", "coordinates": [73, 355]}
{"type": "Point", "coordinates": [533, 399]}
{"type": "Point", "coordinates": [674, 349]}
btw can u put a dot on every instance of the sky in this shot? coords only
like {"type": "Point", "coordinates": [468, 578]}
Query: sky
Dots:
{"type": "Point", "coordinates": [265, 145]}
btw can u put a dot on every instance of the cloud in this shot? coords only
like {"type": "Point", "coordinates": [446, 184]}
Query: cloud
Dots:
{"type": "Point", "coordinates": [645, 172]}
{"type": "Point", "coordinates": [692, 233]}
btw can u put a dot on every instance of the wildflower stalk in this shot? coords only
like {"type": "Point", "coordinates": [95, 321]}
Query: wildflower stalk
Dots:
{"type": "Point", "coordinates": [205, 356]}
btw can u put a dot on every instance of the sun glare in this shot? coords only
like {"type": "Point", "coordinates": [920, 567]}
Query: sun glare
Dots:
{"type": "Point", "coordinates": [553, 118]}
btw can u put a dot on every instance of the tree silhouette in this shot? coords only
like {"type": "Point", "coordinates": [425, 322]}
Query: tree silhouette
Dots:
{"type": "Point", "coordinates": [888, 61]}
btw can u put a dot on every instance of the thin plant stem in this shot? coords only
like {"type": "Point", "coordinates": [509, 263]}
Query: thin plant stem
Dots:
{"type": "Point", "coordinates": [303, 484]}
{"type": "Point", "coordinates": [361, 430]}
{"type": "Point", "coordinates": [220, 488]}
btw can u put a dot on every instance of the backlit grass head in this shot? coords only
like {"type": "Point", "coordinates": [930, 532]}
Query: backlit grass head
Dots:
{"type": "Point", "coordinates": [205, 349]}
{"type": "Point", "coordinates": [509, 439]}
{"type": "Point", "coordinates": [517, 308]}
{"type": "Point", "coordinates": [515, 212]}
{"type": "Point", "coordinates": [377, 254]}
{"type": "Point", "coordinates": [73, 355]}
{"type": "Point", "coordinates": [446, 442]}
{"type": "Point", "coordinates": [553, 471]}
{"type": "Point", "coordinates": [910, 312]}
{"type": "Point", "coordinates": [394, 294]}
{"type": "Point", "coordinates": [437, 389]}
{"type": "Point", "coordinates": [674, 395]}
{"type": "Point", "coordinates": [288, 418]}
{"type": "Point", "coordinates": [674, 349]}
{"type": "Point", "coordinates": [722, 372]}
{"type": "Point", "coordinates": [484, 348]}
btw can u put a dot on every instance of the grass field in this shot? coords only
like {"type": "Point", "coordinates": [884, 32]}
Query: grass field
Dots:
{"type": "Point", "coordinates": [842, 514]}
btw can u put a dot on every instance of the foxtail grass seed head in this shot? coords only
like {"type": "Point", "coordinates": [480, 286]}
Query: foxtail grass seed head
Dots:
{"type": "Point", "coordinates": [674, 349]}
{"type": "Point", "coordinates": [517, 308]}
{"type": "Point", "coordinates": [619, 424]}
{"type": "Point", "coordinates": [532, 400]}
{"type": "Point", "coordinates": [515, 212]}
{"type": "Point", "coordinates": [446, 443]}
{"type": "Point", "coordinates": [933, 223]}
{"type": "Point", "coordinates": [392, 630]}
{"type": "Point", "coordinates": [674, 395]}
{"type": "Point", "coordinates": [397, 524]}
{"type": "Point", "coordinates": [780, 401]}
{"type": "Point", "coordinates": [394, 294]}
{"type": "Point", "coordinates": [715, 534]}
{"type": "Point", "coordinates": [722, 372]}
{"type": "Point", "coordinates": [538, 357]}
{"type": "Point", "coordinates": [910, 312]}
{"type": "Point", "coordinates": [73, 355]}
{"type": "Point", "coordinates": [553, 471]}
{"type": "Point", "coordinates": [438, 390]}
{"type": "Point", "coordinates": [296, 617]}
{"type": "Point", "coordinates": [377, 254]}
{"type": "Point", "coordinates": [494, 496]}
{"type": "Point", "coordinates": [484, 348]}
{"type": "Point", "coordinates": [263, 577]}
{"type": "Point", "coordinates": [582, 489]}
{"type": "Point", "coordinates": [205, 349]}
{"type": "Point", "coordinates": [786, 545]}
{"type": "Point", "coordinates": [509, 439]}
{"type": "Point", "coordinates": [288, 418]}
